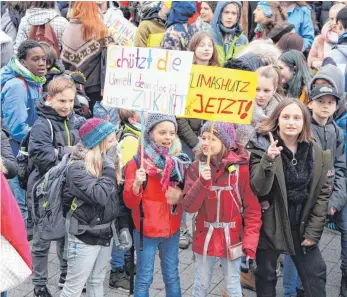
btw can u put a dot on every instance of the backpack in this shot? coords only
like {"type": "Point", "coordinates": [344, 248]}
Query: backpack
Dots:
{"type": "Point", "coordinates": [24, 167]}
{"type": "Point", "coordinates": [45, 33]}
{"type": "Point", "coordinates": [47, 206]}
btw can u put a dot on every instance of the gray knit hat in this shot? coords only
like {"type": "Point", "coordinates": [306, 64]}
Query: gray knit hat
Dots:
{"type": "Point", "coordinates": [212, 4]}
{"type": "Point", "coordinates": [156, 118]}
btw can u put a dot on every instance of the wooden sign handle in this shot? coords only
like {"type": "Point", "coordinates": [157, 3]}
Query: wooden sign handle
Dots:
{"type": "Point", "coordinates": [209, 145]}
{"type": "Point", "coordinates": [142, 137]}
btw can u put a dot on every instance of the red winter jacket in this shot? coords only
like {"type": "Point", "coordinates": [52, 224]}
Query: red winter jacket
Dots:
{"type": "Point", "coordinates": [158, 221]}
{"type": "Point", "coordinates": [12, 222]}
{"type": "Point", "coordinates": [198, 198]}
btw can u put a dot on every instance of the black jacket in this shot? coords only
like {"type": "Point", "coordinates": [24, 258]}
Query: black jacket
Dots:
{"type": "Point", "coordinates": [42, 152]}
{"type": "Point", "coordinates": [7, 157]}
{"type": "Point", "coordinates": [330, 137]}
{"type": "Point", "coordinates": [268, 183]}
{"type": "Point", "coordinates": [100, 197]}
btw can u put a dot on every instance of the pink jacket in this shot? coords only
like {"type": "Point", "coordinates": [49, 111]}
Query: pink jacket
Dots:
{"type": "Point", "coordinates": [12, 222]}
{"type": "Point", "coordinates": [322, 42]}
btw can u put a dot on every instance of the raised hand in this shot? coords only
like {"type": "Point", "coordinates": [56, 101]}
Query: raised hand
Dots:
{"type": "Point", "coordinates": [273, 150]}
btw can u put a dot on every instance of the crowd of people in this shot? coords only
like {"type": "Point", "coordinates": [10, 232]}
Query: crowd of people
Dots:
{"type": "Point", "coordinates": [261, 194]}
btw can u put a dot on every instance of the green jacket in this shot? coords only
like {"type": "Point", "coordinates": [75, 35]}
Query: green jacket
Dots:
{"type": "Point", "coordinates": [268, 182]}
{"type": "Point", "coordinates": [235, 48]}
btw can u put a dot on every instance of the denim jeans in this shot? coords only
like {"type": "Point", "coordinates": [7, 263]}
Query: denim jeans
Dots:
{"type": "Point", "coordinates": [118, 259]}
{"type": "Point", "coordinates": [203, 275]}
{"type": "Point", "coordinates": [19, 194]}
{"type": "Point", "coordinates": [341, 222]}
{"type": "Point", "coordinates": [291, 279]}
{"type": "Point", "coordinates": [168, 254]}
{"type": "Point", "coordinates": [86, 264]}
{"type": "Point", "coordinates": [40, 251]}
{"type": "Point", "coordinates": [184, 218]}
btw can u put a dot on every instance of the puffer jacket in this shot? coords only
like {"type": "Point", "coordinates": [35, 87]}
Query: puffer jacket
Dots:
{"type": "Point", "coordinates": [100, 197]}
{"type": "Point", "coordinates": [199, 197]}
{"type": "Point", "coordinates": [41, 148]}
{"type": "Point", "coordinates": [330, 137]}
{"type": "Point", "coordinates": [158, 220]}
{"type": "Point", "coordinates": [40, 16]}
{"type": "Point", "coordinates": [238, 42]}
{"type": "Point", "coordinates": [268, 183]}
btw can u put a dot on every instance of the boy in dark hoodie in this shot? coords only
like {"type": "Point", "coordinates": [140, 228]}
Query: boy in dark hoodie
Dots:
{"type": "Point", "coordinates": [52, 136]}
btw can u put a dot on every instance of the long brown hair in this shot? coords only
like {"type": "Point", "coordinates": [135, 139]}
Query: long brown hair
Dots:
{"type": "Point", "coordinates": [271, 124]}
{"type": "Point", "coordinates": [194, 43]}
{"type": "Point", "coordinates": [92, 25]}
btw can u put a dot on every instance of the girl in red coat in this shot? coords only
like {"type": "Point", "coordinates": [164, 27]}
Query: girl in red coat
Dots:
{"type": "Point", "coordinates": [229, 215]}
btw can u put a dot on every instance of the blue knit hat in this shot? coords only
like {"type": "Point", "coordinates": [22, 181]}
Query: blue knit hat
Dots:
{"type": "Point", "coordinates": [93, 131]}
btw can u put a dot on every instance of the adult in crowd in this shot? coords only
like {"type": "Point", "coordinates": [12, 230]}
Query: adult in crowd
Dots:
{"type": "Point", "coordinates": [291, 41]}
{"type": "Point", "coordinates": [300, 15]}
{"type": "Point", "coordinates": [266, 15]}
{"type": "Point", "coordinates": [41, 13]}
{"type": "Point", "coordinates": [21, 82]}
{"type": "Point", "coordinates": [338, 55]}
{"type": "Point", "coordinates": [226, 30]}
{"type": "Point", "coordinates": [178, 32]}
{"type": "Point", "coordinates": [85, 43]}
{"type": "Point", "coordinates": [10, 19]}
{"type": "Point", "coordinates": [206, 15]}
{"type": "Point", "coordinates": [290, 174]}
{"type": "Point", "coordinates": [151, 29]}
{"type": "Point", "coordinates": [295, 75]}
{"type": "Point", "coordinates": [8, 159]}
{"type": "Point", "coordinates": [324, 42]}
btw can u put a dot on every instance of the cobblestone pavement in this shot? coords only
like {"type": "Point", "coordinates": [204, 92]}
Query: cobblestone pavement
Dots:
{"type": "Point", "coordinates": [329, 244]}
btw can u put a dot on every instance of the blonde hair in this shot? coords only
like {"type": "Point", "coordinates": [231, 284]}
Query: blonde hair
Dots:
{"type": "Point", "coordinates": [272, 72]}
{"type": "Point", "coordinates": [93, 161]}
{"type": "Point", "coordinates": [59, 85]}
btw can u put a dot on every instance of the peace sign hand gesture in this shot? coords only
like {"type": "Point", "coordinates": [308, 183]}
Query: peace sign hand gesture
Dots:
{"type": "Point", "coordinates": [273, 150]}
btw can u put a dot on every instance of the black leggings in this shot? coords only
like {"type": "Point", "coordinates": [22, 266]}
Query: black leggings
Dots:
{"type": "Point", "coordinates": [311, 268]}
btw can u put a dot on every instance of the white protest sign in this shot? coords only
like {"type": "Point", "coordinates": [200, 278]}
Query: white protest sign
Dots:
{"type": "Point", "coordinates": [153, 80]}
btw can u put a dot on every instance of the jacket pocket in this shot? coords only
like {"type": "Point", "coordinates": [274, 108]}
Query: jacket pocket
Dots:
{"type": "Point", "coordinates": [268, 222]}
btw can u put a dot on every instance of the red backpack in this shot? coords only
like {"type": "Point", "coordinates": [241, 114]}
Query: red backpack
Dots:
{"type": "Point", "coordinates": [45, 33]}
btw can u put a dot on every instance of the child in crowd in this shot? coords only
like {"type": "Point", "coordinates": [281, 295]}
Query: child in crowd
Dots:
{"type": "Point", "coordinates": [326, 91]}
{"type": "Point", "coordinates": [295, 75]}
{"type": "Point", "coordinates": [266, 100]}
{"type": "Point", "coordinates": [128, 137]}
{"type": "Point", "coordinates": [153, 193]}
{"type": "Point", "coordinates": [92, 186]}
{"type": "Point", "coordinates": [228, 211]}
{"type": "Point", "coordinates": [51, 137]}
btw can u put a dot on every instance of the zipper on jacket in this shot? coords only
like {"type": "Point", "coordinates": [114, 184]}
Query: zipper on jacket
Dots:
{"type": "Point", "coordinates": [325, 137]}
{"type": "Point", "coordinates": [68, 133]}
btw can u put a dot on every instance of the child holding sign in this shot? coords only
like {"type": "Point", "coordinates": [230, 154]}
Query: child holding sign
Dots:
{"type": "Point", "coordinates": [229, 217]}
{"type": "Point", "coordinates": [153, 193]}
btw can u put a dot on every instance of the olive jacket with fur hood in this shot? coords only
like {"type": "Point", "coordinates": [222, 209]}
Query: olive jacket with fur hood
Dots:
{"type": "Point", "coordinates": [268, 182]}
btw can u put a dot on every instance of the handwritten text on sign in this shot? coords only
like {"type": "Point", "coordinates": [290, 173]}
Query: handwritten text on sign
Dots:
{"type": "Point", "coordinates": [220, 94]}
{"type": "Point", "coordinates": [123, 32]}
{"type": "Point", "coordinates": [153, 80]}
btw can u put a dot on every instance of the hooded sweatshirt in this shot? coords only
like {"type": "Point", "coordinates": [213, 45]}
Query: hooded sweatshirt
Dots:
{"type": "Point", "coordinates": [40, 16]}
{"type": "Point", "coordinates": [238, 40]}
{"type": "Point", "coordinates": [178, 32]}
{"type": "Point", "coordinates": [150, 27]}
{"type": "Point", "coordinates": [19, 94]}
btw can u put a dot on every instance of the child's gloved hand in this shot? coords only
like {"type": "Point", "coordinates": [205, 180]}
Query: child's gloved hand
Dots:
{"type": "Point", "coordinates": [125, 240]}
{"type": "Point", "coordinates": [173, 195]}
{"type": "Point", "coordinates": [112, 152]}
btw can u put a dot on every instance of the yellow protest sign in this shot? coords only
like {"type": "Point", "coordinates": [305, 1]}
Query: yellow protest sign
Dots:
{"type": "Point", "coordinates": [220, 94]}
